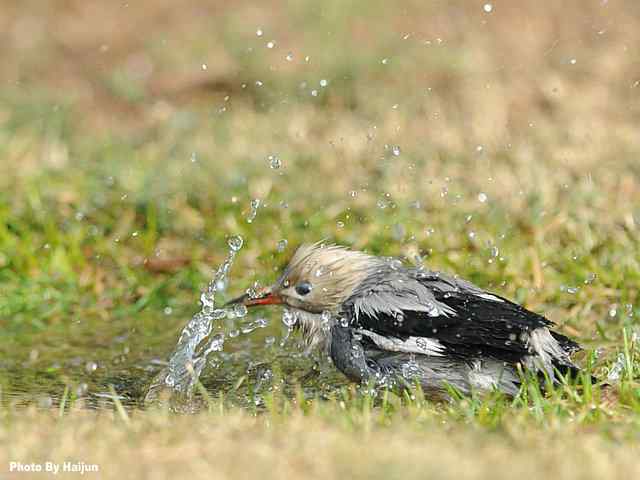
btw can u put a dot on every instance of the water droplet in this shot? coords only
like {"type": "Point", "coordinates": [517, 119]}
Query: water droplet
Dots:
{"type": "Point", "coordinates": [629, 309]}
{"type": "Point", "coordinates": [340, 224]}
{"type": "Point", "coordinates": [251, 326]}
{"type": "Point", "coordinates": [353, 194]}
{"type": "Point", "coordinates": [573, 61]}
{"type": "Point", "coordinates": [216, 343]}
{"type": "Point", "coordinates": [314, 93]}
{"type": "Point", "coordinates": [289, 318]}
{"type": "Point", "coordinates": [204, 66]}
{"type": "Point", "coordinates": [271, 44]}
{"type": "Point", "coordinates": [170, 380]}
{"type": "Point", "coordinates": [395, 150]}
{"type": "Point", "coordinates": [323, 83]}
{"type": "Point", "coordinates": [259, 32]}
{"type": "Point", "coordinates": [255, 204]}
{"type": "Point", "coordinates": [239, 310]}
{"type": "Point", "coordinates": [384, 61]}
{"type": "Point", "coordinates": [487, 7]}
{"type": "Point", "coordinates": [259, 83]}
{"type": "Point", "coordinates": [235, 242]}
{"type": "Point", "coordinates": [274, 161]}
{"type": "Point", "coordinates": [91, 367]}
{"type": "Point", "coordinates": [281, 245]}
{"type": "Point", "coordinates": [168, 310]}
{"type": "Point", "coordinates": [482, 197]}
{"type": "Point", "coordinates": [289, 57]}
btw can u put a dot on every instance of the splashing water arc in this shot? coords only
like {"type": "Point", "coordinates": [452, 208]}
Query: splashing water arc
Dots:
{"type": "Point", "coordinates": [196, 341]}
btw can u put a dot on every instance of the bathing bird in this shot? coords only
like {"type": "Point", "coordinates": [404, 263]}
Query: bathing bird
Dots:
{"type": "Point", "coordinates": [382, 321]}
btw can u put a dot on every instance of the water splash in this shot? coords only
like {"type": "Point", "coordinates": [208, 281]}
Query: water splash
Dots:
{"type": "Point", "coordinates": [196, 341]}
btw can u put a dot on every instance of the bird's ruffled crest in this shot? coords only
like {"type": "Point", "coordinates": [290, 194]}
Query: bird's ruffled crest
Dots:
{"type": "Point", "coordinates": [332, 269]}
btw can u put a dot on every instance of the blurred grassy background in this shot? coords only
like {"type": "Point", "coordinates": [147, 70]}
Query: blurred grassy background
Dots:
{"type": "Point", "coordinates": [502, 145]}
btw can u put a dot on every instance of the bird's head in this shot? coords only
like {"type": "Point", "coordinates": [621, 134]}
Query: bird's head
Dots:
{"type": "Point", "coordinates": [317, 278]}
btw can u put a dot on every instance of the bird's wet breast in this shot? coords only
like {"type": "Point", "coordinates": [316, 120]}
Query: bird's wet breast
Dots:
{"type": "Point", "coordinates": [315, 329]}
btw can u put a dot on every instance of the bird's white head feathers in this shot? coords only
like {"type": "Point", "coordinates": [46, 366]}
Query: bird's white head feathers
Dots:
{"type": "Point", "coordinates": [320, 277]}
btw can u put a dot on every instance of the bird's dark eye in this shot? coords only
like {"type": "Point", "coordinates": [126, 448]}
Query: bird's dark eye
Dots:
{"type": "Point", "coordinates": [303, 288]}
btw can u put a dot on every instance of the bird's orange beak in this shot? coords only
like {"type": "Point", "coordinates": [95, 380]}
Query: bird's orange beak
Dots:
{"type": "Point", "coordinates": [265, 296]}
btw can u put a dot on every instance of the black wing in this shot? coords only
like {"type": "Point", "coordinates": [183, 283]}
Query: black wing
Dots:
{"type": "Point", "coordinates": [464, 319]}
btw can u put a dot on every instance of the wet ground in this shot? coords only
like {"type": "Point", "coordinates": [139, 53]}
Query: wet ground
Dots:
{"type": "Point", "coordinates": [251, 364]}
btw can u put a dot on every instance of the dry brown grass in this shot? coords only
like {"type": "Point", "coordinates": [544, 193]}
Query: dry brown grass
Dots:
{"type": "Point", "coordinates": [240, 446]}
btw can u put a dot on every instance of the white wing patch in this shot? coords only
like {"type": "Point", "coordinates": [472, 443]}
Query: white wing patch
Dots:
{"type": "Point", "coordinates": [488, 296]}
{"type": "Point", "coordinates": [421, 345]}
{"type": "Point", "coordinates": [394, 304]}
